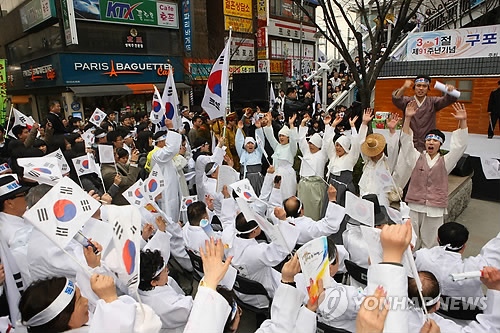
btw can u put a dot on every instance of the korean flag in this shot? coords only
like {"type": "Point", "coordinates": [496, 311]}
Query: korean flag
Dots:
{"type": "Point", "coordinates": [244, 190]}
{"type": "Point", "coordinates": [97, 117]}
{"type": "Point", "coordinates": [186, 201]}
{"type": "Point", "coordinates": [62, 212]}
{"type": "Point", "coordinates": [359, 209]}
{"type": "Point", "coordinates": [154, 184]}
{"type": "Point", "coordinates": [63, 165]}
{"type": "Point", "coordinates": [124, 258]}
{"type": "Point", "coordinates": [135, 194]}
{"type": "Point", "coordinates": [44, 170]}
{"type": "Point", "coordinates": [82, 165]}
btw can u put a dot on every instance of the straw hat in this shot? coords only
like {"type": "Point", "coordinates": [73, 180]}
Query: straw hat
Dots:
{"type": "Point", "coordinates": [373, 145]}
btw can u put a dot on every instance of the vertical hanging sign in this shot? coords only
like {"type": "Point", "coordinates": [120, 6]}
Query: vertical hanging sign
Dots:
{"type": "Point", "coordinates": [69, 23]}
{"type": "Point", "coordinates": [186, 25]}
{"type": "Point", "coordinates": [3, 91]}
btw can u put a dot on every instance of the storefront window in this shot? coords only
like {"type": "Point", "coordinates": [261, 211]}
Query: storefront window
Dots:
{"type": "Point", "coordinates": [288, 9]}
{"type": "Point", "coordinates": [35, 45]}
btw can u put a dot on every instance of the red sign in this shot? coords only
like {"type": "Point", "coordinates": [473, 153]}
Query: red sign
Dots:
{"type": "Point", "coordinates": [287, 64]}
{"type": "Point", "coordinates": [261, 37]}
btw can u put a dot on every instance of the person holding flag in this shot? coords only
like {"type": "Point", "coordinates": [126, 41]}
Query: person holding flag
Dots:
{"type": "Point", "coordinates": [170, 101]}
{"type": "Point", "coordinates": [55, 118]}
{"type": "Point", "coordinates": [128, 173]}
{"type": "Point", "coordinates": [168, 144]}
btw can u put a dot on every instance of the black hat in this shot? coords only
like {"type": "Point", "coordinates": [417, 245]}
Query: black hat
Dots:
{"type": "Point", "coordinates": [381, 216]}
{"type": "Point", "coordinates": [10, 187]}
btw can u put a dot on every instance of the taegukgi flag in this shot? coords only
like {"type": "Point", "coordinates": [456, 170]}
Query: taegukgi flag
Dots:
{"type": "Point", "coordinates": [215, 98]}
{"type": "Point", "coordinates": [124, 258]}
{"type": "Point", "coordinates": [244, 189]}
{"type": "Point", "coordinates": [44, 170]}
{"type": "Point", "coordinates": [63, 165]}
{"type": "Point", "coordinates": [82, 165]}
{"type": "Point", "coordinates": [154, 184]}
{"type": "Point", "coordinates": [21, 119]}
{"type": "Point", "coordinates": [158, 108]}
{"type": "Point", "coordinates": [97, 117]}
{"type": "Point", "coordinates": [62, 212]}
{"type": "Point", "coordinates": [170, 100]}
{"type": "Point", "coordinates": [135, 194]}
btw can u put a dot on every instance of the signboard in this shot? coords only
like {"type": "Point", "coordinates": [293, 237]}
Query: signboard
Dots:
{"type": "Point", "coordinates": [276, 66]}
{"type": "Point", "coordinates": [238, 8]}
{"type": "Point", "coordinates": [87, 69]}
{"type": "Point", "coordinates": [186, 26]}
{"type": "Point", "coordinates": [134, 12]}
{"type": "Point", "coordinates": [476, 42]}
{"type": "Point", "coordinates": [263, 66]}
{"type": "Point", "coordinates": [262, 13]}
{"type": "Point", "coordinates": [290, 30]}
{"type": "Point", "coordinates": [40, 73]}
{"type": "Point", "coordinates": [287, 66]}
{"type": "Point", "coordinates": [199, 71]}
{"type": "Point", "coordinates": [238, 24]}
{"type": "Point", "coordinates": [3, 91]}
{"type": "Point", "coordinates": [69, 23]}
{"type": "Point", "coordinates": [241, 69]}
{"type": "Point", "coordinates": [36, 12]}
{"type": "Point", "coordinates": [242, 49]}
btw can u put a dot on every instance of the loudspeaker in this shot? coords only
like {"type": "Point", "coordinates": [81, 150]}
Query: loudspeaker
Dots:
{"type": "Point", "coordinates": [250, 88]}
{"type": "Point", "coordinates": [464, 167]}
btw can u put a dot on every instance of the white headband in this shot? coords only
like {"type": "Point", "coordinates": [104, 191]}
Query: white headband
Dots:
{"type": "Point", "coordinates": [449, 247]}
{"type": "Point", "coordinates": [159, 271]}
{"type": "Point", "coordinates": [433, 301]}
{"type": "Point", "coordinates": [102, 135]}
{"type": "Point", "coordinates": [161, 138]}
{"type": "Point", "coordinates": [10, 187]}
{"type": "Point", "coordinates": [246, 232]}
{"type": "Point", "coordinates": [55, 308]}
{"type": "Point", "coordinates": [212, 169]}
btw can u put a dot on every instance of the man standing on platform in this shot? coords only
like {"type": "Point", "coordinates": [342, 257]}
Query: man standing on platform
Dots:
{"type": "Point", "coordinates": [54, 117]}
{"type": "Point", "coordinates": [493, 110]}
{"type": "Point", "coordinates": [428, 190]}
{"type": "Point", "coordinates": [425, 119]}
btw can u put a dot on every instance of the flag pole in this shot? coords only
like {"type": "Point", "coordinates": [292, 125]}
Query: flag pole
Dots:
{"type": "Point", "coordinates": [80, 181]}
{"type": "Point", "coordinates": [10, 115]}
{"type": "Point", "coordinates": [225, 111]}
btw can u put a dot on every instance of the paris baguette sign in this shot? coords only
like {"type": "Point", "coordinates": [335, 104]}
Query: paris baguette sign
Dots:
{"type": "Point", "coordinates": [116, 69]}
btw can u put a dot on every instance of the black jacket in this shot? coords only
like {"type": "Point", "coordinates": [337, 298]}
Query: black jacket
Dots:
{"type": "Point", "coordinates": [494, 102]}
{"type": "Point", "coordinates": [57, 124]}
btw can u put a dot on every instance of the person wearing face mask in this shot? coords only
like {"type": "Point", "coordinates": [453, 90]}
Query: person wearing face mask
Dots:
{"type": "Point", "coordinates": [422, 123]}
{"type": "Point", "coordinates": [427, 194]}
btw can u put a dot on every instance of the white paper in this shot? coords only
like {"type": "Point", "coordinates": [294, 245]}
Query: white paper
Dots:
{"type": "Point", "coordinates": [491, 168]}
{"type": "Point", "coordinates": [106, 154]}
{"type": "Point", "coordinates": [441, 87]}
{"type": "Point", "coordinates": [227, 176]}
{"type": "Point", "coordinates": [360, 209]}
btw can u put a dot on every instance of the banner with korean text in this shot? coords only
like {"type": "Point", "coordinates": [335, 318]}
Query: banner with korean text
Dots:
{"type": "Point", "coordinates": [3, 91]}
{"type": "Point", "coordinates": [475, 42]}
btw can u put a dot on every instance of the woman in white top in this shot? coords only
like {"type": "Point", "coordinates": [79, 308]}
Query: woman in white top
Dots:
{"type": "Point", "coordinates": [311, 185]}
{"type": "Point", "coordinates": [284, 154]}
{"type": "Point", "coordinates": [343, 155]}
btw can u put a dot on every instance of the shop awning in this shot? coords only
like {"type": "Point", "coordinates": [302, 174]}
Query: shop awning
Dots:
{"type": "Point", "coordinates": [21, 99]}
{"type": "Point", "coordinates": [121, 89]}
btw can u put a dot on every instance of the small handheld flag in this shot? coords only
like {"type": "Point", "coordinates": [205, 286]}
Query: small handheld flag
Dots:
{"type": "Point", "coordinates": [244, 189]}
{"type": "Point", "coordinates": [21, 119]}
{"type": "Point", "coordinates": [62, 212]}
{"type": "Point", "coordinates": [44, 170]}
{"type": "Point", "coordinates": [187, 201]}
{"type": "Point", "coordinates": [170, 100]}
{"type": "Point", "coordinates": [97, 117]}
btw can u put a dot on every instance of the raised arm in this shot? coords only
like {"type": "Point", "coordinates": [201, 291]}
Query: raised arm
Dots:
{"type": "Point", "coordinates": [268, 131]}
{"type": "Point", "coordinates": [458, 138]}
{"type": "Point", "coordinates": [240, 139]}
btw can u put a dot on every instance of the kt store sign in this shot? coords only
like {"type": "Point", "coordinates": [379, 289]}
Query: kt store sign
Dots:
{"type": "Point", "coordinates": [90, 69]}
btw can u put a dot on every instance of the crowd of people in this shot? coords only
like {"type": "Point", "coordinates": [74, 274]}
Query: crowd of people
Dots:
{"type": "Point", "coordinates": [299, 161]}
